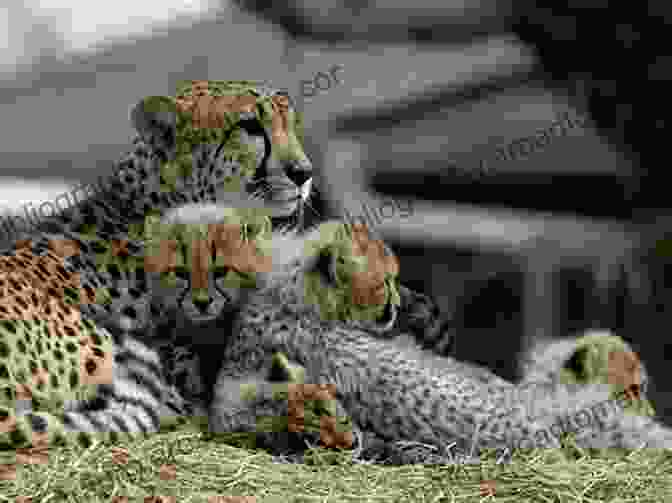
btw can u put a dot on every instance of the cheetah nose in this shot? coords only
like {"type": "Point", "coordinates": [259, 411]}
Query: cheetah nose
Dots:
{"type": "Point", "coordinates": [298, 173]}
{"type": "Point", "coordinates": [202, 302]}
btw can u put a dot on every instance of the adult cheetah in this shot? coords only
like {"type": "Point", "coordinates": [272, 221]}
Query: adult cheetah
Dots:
{"type": "Point", "coordinates": [82, 270]}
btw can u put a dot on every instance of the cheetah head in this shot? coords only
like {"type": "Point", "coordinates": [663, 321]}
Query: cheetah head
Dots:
{"type": "Point", "coordinates": [229, 141]}
{"type": "Point", "coordinates": [201, 257]}
{"type": "Point", "coordinates": [337, 272]}
{"type": "Point", "coordinates": [274, 408]}
{"type": "Point", "coordinates": [595, 357]}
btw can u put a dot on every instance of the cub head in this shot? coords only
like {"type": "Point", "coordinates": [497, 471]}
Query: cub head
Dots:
{"type": "Point", "coordinates": [238, 142]}
{"type": "Point", "coordinates": [201, 258]}
{"type": "Point", "coordinates": [594, 357]}
{"type": "Point", "coordinates": [273, 408]}
{"type": "Point", "coordinates": [338, 272]}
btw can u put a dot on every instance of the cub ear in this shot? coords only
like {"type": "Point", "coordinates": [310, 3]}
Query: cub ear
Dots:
{"type": "Point", "coordinates": [155, 120]}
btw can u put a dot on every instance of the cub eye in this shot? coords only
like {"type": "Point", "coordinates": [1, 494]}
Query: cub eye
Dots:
{"type": "Point", "coordinates": [182, 273]}
{"type": "Point", "coordinates": [325, 265]}
{"type": "Point", "coordinates": [220, 271]}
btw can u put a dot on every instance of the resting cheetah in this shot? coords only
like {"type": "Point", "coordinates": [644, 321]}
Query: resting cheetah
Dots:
{"type": "Point", "coordinates": [82, 270]}
{"type": "Point", "coordinates": [397, 392]}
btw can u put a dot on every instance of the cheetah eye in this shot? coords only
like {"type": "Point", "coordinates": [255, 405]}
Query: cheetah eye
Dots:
{"type": "Point", "coordinates": [220, 271]}
{"type": "Point", "coordinates": [182, 273]}
{"type": "Point", "coordinates": [326, 267]}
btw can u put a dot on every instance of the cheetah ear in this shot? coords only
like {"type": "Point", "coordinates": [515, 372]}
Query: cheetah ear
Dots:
{"type": "Point", "coordinates": [155, 120]}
